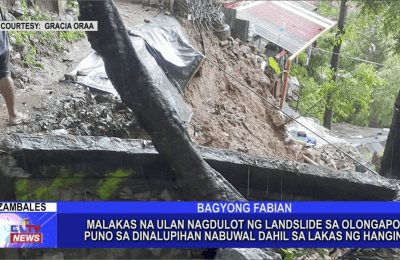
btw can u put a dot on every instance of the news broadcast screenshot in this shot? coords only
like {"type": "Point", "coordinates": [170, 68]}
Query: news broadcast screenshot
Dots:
{"type": "Point", "coordinates": [199, 129]}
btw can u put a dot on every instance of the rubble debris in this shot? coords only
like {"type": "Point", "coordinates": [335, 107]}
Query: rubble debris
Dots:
{"type": "Point", "coordinates": [71, 77]}
{"type": "Point", "coordinates": [334, 158]}
{"type": "Point", "coordinates": [17, 10]}
{"type": "Point", "coordinates": [377, 161]}
{"type": "Point", "coordinates": [81, 73]}
{"type": "Point", "coordinates": [144, 97]}
{"type": "Point", "coordinates": [302, 136]}
{"type": "Point", "coordinates": [15, 71]}
{"type": "Point", "coordinates": [234, 110]}
{"type": "Point", "coordinates": [31, 12]}
{"type": "Point", "coordinates": [22, 48]}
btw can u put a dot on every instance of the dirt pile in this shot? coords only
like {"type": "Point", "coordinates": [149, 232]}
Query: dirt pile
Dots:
{"type": "Point", "coordinates": [226, 114]}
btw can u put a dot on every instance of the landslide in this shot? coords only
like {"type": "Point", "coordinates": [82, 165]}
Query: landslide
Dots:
{"type": "Point", "coordinates": [226, 114]}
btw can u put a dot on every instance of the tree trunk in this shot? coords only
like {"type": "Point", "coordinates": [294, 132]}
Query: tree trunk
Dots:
{"type": "Point", "coordinates": [390, 166]}
{"type": "Point", "coordinates": [195, 178]}
{"type": "Point", "coordinates": [335, 60]}
{"type": "Point", "coordinates": [328, 118]}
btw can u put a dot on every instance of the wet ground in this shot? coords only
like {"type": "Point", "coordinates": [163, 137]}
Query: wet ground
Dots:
{"type": "Point", "coordinates": [48, 101]}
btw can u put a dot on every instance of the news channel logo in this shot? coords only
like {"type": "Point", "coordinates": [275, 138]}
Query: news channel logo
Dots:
{"type": "Point", "coordinates": [27, 230]}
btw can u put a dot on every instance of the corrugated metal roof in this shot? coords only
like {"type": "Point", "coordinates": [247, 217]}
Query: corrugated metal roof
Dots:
{"type": "Point", "coordinates": [301, 24]}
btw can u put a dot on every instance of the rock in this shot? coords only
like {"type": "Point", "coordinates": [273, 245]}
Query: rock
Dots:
{"type": "Point", "coordinates": [17, 10]}
{"type": "Point", "coordinates": [343, 163]}
{"type": "Point", "coordinates": [59, 132]}
{"type": "Point", "coordinates": [57, 256]}
{"type": "Point", "coordinates": [235, 49]}
{"type": "Point", "coordinates": [245, 49]}
{"type": "Point", "coordinates": [360, 168]}
{"type": "Point", "coordinates": [70, 77]}
{"type": "Point", "coordinates": [245, 254]}
{"type": "Point", "coordinates": [81, 73]}
{"type": "Point", "coordinates": [31, 12]}
{"type": "Point", "coordinates": [125, 193]}
{"type": "Point", "coordinates": [165, 195]}
{"type": "Point", "coordinates": [144, 196]}
{"type": "Point", "coordinates": [12, 40]}
{"type": "Point", "coordinates": [9, 17]}
{"type": "Point", "coordinates": [255, 60]}
{"type": "Point", "coordinates": [336, 253]}
{"type": "Point", "coordinates": [34, 40]}
{"type": "Point", "coordinates": [65, 195]}
{"type": "Point", "coordinates": [15, 57]}
{"type": "Point", "coordinates": [24, 79]}
{"type": "Point", "coordinates": [15, 72]}
{"type": "Point", "coordinates": [167, 13]}
{"type": "Point", "coordinates": [67, 57]}
{"type": "Point", "coordinates": [71, 11]}
{"type": "Point", "coordinates": [69, 18]}
{"type": "Point", "coordinates": [223, 43]}
{"type": "Point", "coordinates": [36, 81]}
{"type": "Point", "coordinates": [146, 20]}
{"type": "Point", "coordinates": [19, 85]}
{"type": "Point", "coordinates": [22, 48]}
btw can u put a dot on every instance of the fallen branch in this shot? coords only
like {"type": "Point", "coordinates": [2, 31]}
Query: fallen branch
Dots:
{"type": "Point", "coordinates": [309, 160]}
{"type": "Point", "coordinates": [195, 178]}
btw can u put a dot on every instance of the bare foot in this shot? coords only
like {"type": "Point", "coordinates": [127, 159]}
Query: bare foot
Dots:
{"type": "Point", "coordinates": [19, 119]}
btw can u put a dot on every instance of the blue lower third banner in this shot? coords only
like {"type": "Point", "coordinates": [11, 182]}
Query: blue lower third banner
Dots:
{"type": "Point", "coordinates": [200, 224]}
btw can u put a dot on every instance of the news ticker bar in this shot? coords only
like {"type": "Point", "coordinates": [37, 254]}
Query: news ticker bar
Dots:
{"type": "Point", "coordinates": [199, 224]}
{"type": "Point", "coordinates": [204, 207]}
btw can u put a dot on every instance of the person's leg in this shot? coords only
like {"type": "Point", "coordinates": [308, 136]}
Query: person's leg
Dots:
{"type": "Point", "coordinates": [7, 90]}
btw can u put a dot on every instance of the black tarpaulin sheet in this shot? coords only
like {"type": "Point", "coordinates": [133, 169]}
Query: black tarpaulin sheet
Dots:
{"type": "Point", "coordinates": [166, 54]}
{"type": "Point", "coordinates": [166, 41]}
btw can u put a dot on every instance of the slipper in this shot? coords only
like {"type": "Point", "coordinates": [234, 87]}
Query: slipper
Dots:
{"type": "Point", "coordinates": [22, 119]}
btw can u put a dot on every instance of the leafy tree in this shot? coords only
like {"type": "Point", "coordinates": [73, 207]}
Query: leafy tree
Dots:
{"type": "Point", "coordinates": [367, 94]}
{"type": "Point", "coordinates": [335, 63]}
{"type": "Point", "coordinates": [389, 11]}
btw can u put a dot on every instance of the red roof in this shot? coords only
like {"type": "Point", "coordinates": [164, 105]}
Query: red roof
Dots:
{"type": "Point", "coordinates": [295, 24]}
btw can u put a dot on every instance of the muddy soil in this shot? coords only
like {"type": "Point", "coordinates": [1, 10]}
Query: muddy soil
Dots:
{"type": "Point", "coordinates": [48, 101]}
{"type": "Point", "coordinates": [226, 114]}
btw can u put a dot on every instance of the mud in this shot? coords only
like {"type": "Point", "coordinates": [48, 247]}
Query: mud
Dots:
{"type": "Point", "coordinates": [226, 114]}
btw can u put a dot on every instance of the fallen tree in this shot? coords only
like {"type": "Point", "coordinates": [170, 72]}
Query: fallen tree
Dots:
{"type": "Point", "coordinates": [195, 178]}
{"type": "Point", "coordinates": [390, 166]}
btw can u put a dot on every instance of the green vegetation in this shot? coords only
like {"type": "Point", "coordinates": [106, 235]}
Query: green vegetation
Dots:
{"type": "Point", "coordinates": [53, 40]}
{"type": "Point", "coordinates": [274, 65]}
{"type": "Point", "coordinates": [23, 192]}
{"type": "Point", "coordinates": [364, 93]}
{"type": "Point", "coordinates": [108, 185]}
{"type": "Point", "coordinates": [290, 253]}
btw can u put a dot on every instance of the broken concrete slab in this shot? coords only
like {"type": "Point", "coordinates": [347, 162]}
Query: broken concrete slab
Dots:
{"type": "Point", "coordinates": [100, 155]}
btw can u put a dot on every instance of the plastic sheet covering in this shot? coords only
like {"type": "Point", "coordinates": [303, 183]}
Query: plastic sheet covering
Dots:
{"type": "Point", "coordinates": [167, 56]}
{"type": "Point", "coordinates": [97, 78]}
{"type": "Point", "coordinates": [166, 41]}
